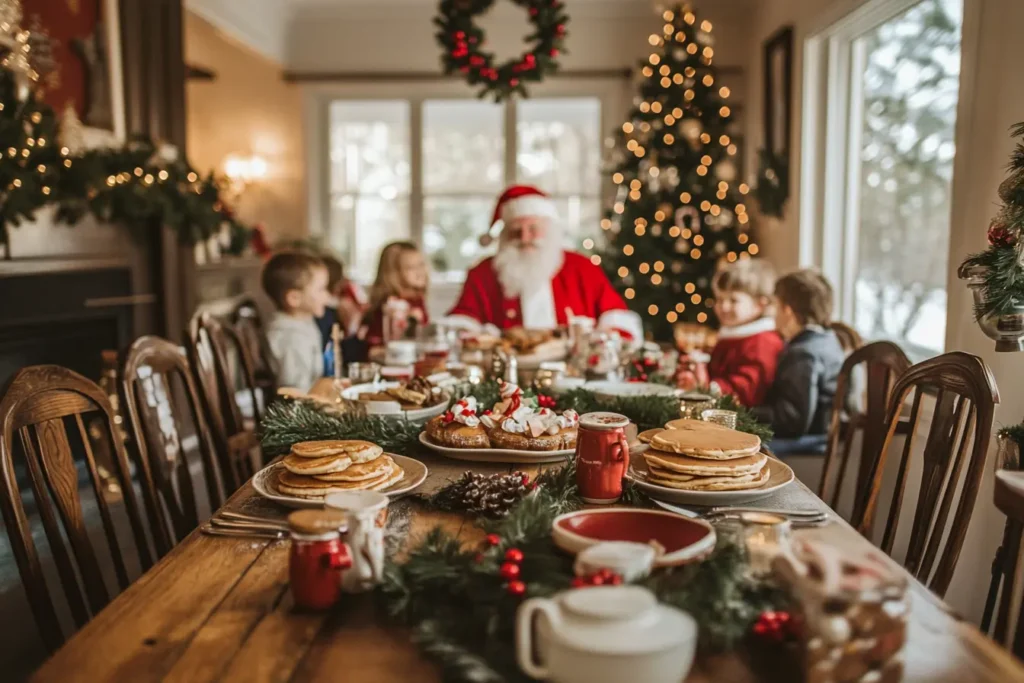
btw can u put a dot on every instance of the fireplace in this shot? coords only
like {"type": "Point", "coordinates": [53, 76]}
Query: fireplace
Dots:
{"type": "Point", "coordinates": [66, 318]}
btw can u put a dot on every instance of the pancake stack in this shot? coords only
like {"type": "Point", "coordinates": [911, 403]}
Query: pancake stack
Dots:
{"type": "Point", "coordinates": [315, 468]}
{"type": "Point", "coordinates": [693, 455]}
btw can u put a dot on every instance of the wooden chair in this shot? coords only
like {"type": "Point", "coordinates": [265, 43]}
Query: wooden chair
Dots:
{"type": "Point", "coordinates": [965, 399]}
{"type": "Point", "coordinates": [44, 407]}
{"type": "Point", "coordinates": [1009, 498]}
{"type": "Point", "coordinates": [247, 322]}
{"type": "Point", "coordinates": [162, 407]}
{"type": "Point", "coordinates": [883, 363]}
{"type": "Point", "coordinates": [238, 448]}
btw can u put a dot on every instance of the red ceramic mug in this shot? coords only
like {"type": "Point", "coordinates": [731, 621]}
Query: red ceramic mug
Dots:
{"type": "Point", "coordinates": [602, 457]}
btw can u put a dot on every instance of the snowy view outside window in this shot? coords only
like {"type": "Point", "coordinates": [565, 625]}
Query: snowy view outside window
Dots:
{"type": "Point", "coordinates": [464, 153]}
{"type": "Point", "coordinates": [910, 88]}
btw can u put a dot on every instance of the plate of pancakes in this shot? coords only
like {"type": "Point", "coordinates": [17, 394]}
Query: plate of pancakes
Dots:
{"type": "Point", "coordinates": [702, 463]}
{"type": "Point", "coordinates": [314, 469]}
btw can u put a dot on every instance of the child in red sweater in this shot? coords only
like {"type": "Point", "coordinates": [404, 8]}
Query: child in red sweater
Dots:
{"type": "Point", "coordinates": [745, 356]}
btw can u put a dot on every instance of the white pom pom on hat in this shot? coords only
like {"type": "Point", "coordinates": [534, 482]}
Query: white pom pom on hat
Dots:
{"type": "Point", "coordinates": [519, 201]}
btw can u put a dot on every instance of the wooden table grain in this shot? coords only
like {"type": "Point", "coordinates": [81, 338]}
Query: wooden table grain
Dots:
{"type": "Point", "coordinates": [219, 609]}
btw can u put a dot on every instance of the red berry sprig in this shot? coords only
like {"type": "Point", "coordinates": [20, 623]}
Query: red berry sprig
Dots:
{"type": "Point", "coordinates": [602, 577]}
{"type": "Point", "coordinates": [776, 626]}
{"type": "Point", "coordinates": [511, 572]}
{"type": "Point", "coordinates": [545, 401]}
{"type": "Point", "coordinates": [493, 539]}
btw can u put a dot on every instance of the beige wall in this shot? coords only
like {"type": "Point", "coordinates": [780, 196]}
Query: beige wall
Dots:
{"type": "Point", "coordinates": [248, 109]}
{"type": "Point", "coordinates": [988, 107]}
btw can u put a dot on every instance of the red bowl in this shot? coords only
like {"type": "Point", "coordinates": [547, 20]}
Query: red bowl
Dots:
{"type": "Point", "coordinates": [684, 540]}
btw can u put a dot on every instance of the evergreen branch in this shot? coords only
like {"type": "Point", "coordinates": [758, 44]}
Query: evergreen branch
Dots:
{"type": "Point", "coordinates": [289, 422]}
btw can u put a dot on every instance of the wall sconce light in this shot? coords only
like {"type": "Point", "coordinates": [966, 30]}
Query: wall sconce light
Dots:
{"type": "Point", "coordinates": [241, 171]}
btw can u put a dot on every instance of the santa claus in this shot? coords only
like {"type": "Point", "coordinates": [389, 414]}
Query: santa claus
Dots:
{"type": "Point", "coordinates": [532, 281]}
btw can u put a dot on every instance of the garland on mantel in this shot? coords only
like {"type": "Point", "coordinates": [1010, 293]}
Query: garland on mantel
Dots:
{"type": "Point", "coordinates": [141, 185]}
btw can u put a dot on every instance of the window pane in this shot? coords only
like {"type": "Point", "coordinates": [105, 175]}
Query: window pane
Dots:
{"type": "Point", "coordinates": [451, 232]}
{"type": "Point", "coordinates": [910, 89]}
{"type": "Point", "coordinates": [361, 225]}
{"type": "Point", "coordinates": [463, 147]}
{"type": "Point", "coordinates": [559, 144]}
{"type": "Point", "coordinates": [369, 143]}
{"type": "Point", "coordinates": [580, 218]}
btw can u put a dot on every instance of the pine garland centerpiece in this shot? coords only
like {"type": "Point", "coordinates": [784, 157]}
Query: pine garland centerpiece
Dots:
{"type": "Point", "coordinates": [461, 600]}
{"type": "Point", "coordinates": [289, 422]}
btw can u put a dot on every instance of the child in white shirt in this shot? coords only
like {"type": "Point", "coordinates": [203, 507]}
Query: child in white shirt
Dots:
{"type": "Point", "coordinates": [297, 284]}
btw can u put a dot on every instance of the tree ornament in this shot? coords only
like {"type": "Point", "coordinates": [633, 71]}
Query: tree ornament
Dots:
{"type": "Point", "coordinates": [691, 128]}
{"type": "Point", "coordinates": [516, 588]}
{"type": "Point", "coordinates": [999, 235]}
{"type": "Point", "coordinates": [725, 170]}
{"type": "Point", "coordinates": [461, 39]}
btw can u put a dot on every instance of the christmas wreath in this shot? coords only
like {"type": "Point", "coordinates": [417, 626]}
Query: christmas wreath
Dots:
{"type": "Point", "coordinates": [463, 43]}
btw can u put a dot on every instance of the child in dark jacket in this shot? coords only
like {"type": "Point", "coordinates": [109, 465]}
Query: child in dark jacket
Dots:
{"type": "Point", "coordinates": [799, 403]}
{"type": "Point", "coordinates": [747, 350]}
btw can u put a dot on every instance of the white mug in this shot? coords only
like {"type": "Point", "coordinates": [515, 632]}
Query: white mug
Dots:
{"type": "Point", "coordinates": [366, 512]}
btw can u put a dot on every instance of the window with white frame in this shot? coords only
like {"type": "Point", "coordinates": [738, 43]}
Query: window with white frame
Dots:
{"type": "Point", "coordinates": [883, 86]}
{"type": "Point", "coordinates": [430, 170]}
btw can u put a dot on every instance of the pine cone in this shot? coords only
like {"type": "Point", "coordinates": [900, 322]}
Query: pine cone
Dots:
{"type": "Point", "coordinates": [492, 496]}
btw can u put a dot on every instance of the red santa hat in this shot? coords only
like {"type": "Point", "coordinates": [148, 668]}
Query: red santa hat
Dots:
{"type": "Point", "coordinates": [516, 202]}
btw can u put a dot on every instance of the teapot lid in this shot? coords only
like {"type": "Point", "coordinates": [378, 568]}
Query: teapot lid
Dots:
{"type": "Point", "coordinates": [621, 620]}
{"type": "Point", "coordinates": [627, 602]}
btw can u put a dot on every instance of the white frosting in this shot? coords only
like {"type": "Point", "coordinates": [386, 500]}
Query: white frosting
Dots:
{"type": "Point", "coordinates": [464, 412]}
{"type": "Point", "coordinates": [545, 420]}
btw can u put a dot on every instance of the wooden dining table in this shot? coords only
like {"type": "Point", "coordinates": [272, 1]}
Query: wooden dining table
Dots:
{"type": "Point", "coordinates": [219, 609]}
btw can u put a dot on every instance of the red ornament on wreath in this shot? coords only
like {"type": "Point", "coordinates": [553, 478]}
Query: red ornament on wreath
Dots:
{"type": "Point", "coordinates": [999, 235]}
{"type": "Point", "coordinates": [462, 40]}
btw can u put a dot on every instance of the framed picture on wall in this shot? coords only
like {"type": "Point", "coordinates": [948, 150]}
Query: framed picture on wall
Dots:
{"type": "Point", "coordinates": [86, 83]}
{"type": "Point", "coordinates": [778, 92]}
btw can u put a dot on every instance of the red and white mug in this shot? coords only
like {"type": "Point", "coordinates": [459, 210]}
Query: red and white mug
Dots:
{"type": "Point", "coordinates": [602, 457]}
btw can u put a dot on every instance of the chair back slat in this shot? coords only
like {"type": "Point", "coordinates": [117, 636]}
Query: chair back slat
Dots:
{"type": "Point", "coordinates": [957, 439]}
{"type": "Point", "coordinates": [247, 321]}
{"type": "Point", "coordinates": [883, 362]}
{"type": "Point", "coordinates": [41, 410]}
{"type": "Point", "coordinates": [235, 440]}
{"type": "Point", "coordinates": [161, 401]}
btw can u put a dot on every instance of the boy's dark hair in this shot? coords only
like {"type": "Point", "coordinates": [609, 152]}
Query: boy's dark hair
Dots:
{"type": "Point", "coordinates": [335, 272]}
{"type": "Point", "coordinates": [288, 270]}
{"type": "Point", "coordinates": [809, 294]}
{"type": "Point", "coordinates": [755, 277]}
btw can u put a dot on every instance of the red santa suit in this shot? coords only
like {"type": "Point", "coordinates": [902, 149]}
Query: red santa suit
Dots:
{"type": "Point", "coordinates": [577, 289]}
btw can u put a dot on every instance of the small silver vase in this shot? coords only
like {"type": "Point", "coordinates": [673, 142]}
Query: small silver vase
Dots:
{"type": "Point", "coordinates": [1007, 329]}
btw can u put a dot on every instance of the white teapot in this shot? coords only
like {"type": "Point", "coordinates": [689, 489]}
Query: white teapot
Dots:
{"type": "Point", "coordinates": [605, 634]}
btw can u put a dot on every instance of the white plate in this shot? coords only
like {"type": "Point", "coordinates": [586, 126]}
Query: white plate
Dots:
{"type": "Point", "coordinates": [496, 454]}
{"type": "Point", "coordinates": [391, 408]}
{"type": "Point", "coordinates": [262, 481]}
{"type": "Point", "coordinates": [781, 476]}
{"type": "Point", "coordinates": [607, 388]}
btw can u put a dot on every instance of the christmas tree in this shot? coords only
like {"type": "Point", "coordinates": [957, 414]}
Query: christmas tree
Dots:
{"type": "Point", "coordinates": [679, 209]}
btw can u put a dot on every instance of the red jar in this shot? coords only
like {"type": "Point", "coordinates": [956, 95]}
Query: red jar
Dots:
{"type": "Point", "coordinates": [317, 558]}
{"type": "Point", "coordinates": [602, 457]}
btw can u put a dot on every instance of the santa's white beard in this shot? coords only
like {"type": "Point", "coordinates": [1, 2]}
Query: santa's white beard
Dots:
{"type": "Point", "coordinates": [522, 270]}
